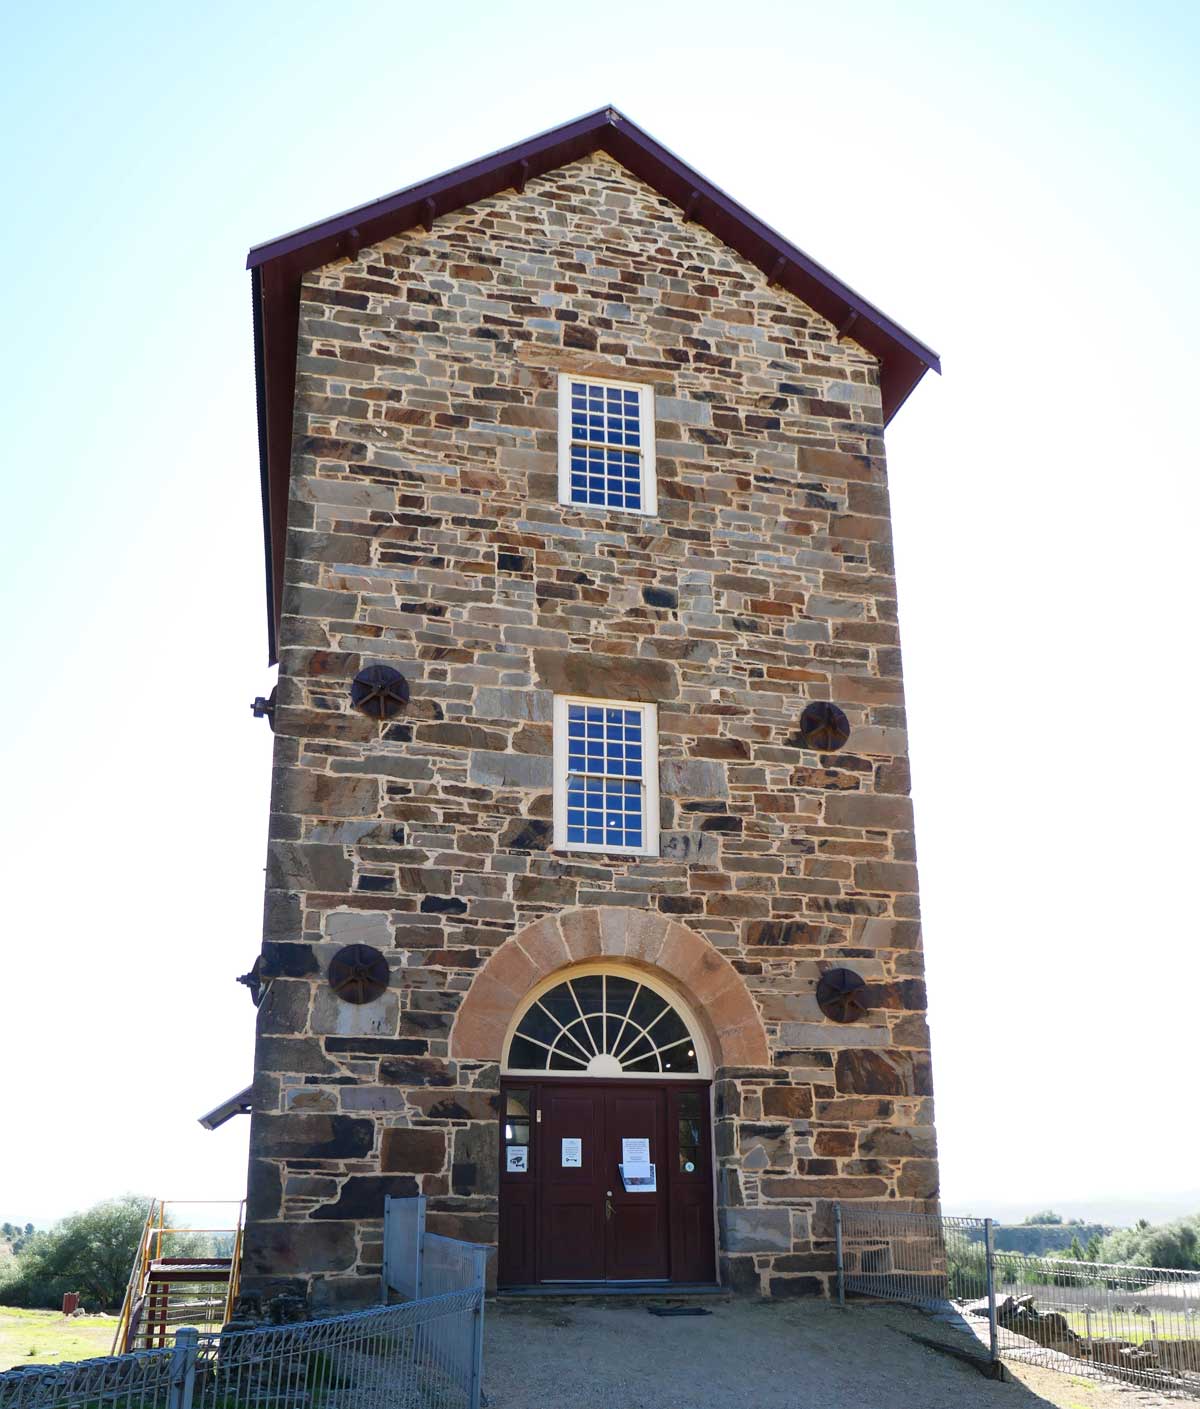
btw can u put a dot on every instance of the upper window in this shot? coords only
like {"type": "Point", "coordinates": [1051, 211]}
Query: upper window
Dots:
{"type": "Point", "coordinates": [606, 445]}
{"type": "Point", "coordinates": [605, 776]}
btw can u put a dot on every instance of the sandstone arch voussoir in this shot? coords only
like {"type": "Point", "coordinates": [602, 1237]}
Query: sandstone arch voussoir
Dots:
{"type": "Point", "coordinates": [704, 977]}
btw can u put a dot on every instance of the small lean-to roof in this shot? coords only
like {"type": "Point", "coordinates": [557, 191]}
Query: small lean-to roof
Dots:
{"type": "Point", "coordinates": [278, 266]}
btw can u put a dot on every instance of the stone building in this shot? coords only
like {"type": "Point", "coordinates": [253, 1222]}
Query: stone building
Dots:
{"type": "Point", "coordinates": [592, 462]}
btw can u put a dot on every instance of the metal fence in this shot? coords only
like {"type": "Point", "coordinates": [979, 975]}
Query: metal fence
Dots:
{"type": "Point", "coordinates": [143, 1379]}
{"type": "Point", "coordinates": [1136, 1324]}
{"type": "Point", "coordinates": [426, 1353]}
{"type": "Point", "coordinates": [420, 1264]}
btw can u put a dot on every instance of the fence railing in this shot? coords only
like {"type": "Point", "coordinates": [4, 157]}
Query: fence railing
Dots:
{"type": "Point", "coordinates": [1137, 1324]}
{"type": "Point", "coordinates": [143, 1379]}
{"type": "Point", "coordinates": [426, 1353]}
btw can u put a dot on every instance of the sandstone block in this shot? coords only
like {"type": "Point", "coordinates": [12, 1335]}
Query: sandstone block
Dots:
{"type": "Point", "coordinates": [297, 866]}
{"type": "Point", "coordinates": [693, 778]}
{"type": "Point", "coordinates": [833, 1187]}
{"type": "Point", "coordinates": [332, 1015]}
{"type": "Point", "coordinates": [311, 1137]}
{"type": "Point", "coordinates": [412, 1151]}
{"type": "Point", "coordinates": [325, 795]}
{"type": "Point", "coordinates": [791, 1102]}
{"type": "Point", "coordinates": [690, 848]}
{"type": "Point", "coordinates": [884, 1073]}
{"type": "Point", "coordinates": [362, 1196]}
{"type": "Point", "coordinates": [874, 811]}
{"type": "Point", "coordinates": [918, 1179]}
{"type": "Point", "coordinates": [891, 876]}
{"type": "Point", "coordinates": [281, 1249]}
{"type": "Point", "coordinates": [755, 1229]}
{"type": "Point", "coordinates": [509, 706]}
{"type": "Point", "coordinates": [605, 677]}
{"type": "Point", "coordinates": [511, 770]}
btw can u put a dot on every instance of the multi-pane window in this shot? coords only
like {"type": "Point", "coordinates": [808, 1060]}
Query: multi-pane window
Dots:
{"type": "Point", "coordinates": [605, 776]}
{"type": "Point", "coordinates": [604, 1024]}
{"type": "Point", "coordinates": [606, 445]}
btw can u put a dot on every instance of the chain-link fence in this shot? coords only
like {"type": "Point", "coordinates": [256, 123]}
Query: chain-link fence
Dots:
{"type": "Point", "coordinates": [1137, 1324]}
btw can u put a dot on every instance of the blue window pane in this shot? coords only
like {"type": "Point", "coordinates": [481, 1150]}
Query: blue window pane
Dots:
{"type": "Point", "coordinates": [606, 438]}
{"type": "Point", "coordinates": [604, 788]}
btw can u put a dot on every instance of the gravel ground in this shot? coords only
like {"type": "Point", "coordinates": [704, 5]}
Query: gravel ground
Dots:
{"type": "Point", "coordinates": [762, 1355]}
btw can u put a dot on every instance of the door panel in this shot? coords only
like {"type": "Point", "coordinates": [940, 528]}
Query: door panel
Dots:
{"type": "Point", "coordinates": [519, 1169]}
{"type": "Point", "coordinates": [637, 1229]}
{"type": "Point", "coordinates": [690, 1179]}
{"type": "Point", "coordinates": [571, 1226]}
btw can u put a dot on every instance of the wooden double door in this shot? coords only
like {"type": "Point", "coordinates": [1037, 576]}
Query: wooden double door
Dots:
{"type": "Point", "coordinates": [565, 1212]}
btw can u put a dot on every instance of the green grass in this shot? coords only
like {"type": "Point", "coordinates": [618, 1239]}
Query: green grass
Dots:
{"type": "Point", "coordinates": [48, 1337]}
{"type": "Point", "coordinates": [1130, 1328]}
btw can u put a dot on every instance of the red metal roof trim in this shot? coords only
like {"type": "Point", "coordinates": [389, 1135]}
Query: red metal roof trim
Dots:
{"type": "Point", "coordinates": [279, 265]}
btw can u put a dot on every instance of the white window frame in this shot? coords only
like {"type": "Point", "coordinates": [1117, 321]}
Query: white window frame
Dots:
{"type": "Point", "coordinates": [649, 479]}
{"type": "Point", "coordinates": [650, 822]}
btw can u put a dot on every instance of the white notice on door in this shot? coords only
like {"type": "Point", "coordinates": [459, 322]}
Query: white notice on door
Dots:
{"type": "Point", "coordinates": [518, 1159]}
{"type": "Point", "coordinates": [572, 1154]}
{"type": "Point", "coordinates": [635, 1151]}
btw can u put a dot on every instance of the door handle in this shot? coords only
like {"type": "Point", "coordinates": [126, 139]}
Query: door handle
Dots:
{"type": "Point", "coordinates": [608, 1208]}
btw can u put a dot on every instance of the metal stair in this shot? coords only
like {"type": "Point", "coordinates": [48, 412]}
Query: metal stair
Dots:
{"type": "Point", "coordinates": [183, 1275]}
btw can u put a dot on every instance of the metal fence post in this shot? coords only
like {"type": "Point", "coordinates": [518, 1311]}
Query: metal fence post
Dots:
{"type": "Point", "coordinates": [990, 1265]}
{"type": "Point", "coordinates": [476, 1398]}
{"type": "Point", "coordinates": [384, 1279]}
{"type": "Point", "coordinates": [419, 1271]}
{"type": "Point", "coordinates": [183, 1368]}
{"type": "Point", "coordinates": [841, 1265]}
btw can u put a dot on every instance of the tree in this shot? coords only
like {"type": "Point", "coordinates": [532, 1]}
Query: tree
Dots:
{"type": "Point", "coordinates": [1047, 1215]}
{"type": "Point", "coordinates": [90, 1252]}
{"type": "Point", "coordinates": [1175, 1245]}
{"type": "Point", "coordinates": [1075, 1251]}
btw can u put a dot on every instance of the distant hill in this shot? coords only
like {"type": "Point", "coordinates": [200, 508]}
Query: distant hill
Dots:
{"type": "Point", "coordinates": [1038, 1238]}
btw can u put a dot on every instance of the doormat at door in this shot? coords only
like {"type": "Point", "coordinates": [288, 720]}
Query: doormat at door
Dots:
{"type": "Point", "coordinates": [678, 1311]}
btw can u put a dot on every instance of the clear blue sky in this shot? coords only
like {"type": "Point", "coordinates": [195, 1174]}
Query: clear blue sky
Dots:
{"type": "Point", "coordinates": [1017, 184]}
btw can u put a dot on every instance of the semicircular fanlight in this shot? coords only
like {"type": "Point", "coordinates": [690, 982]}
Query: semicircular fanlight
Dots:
{"type": "Point", "coordinates": [602, 1025]}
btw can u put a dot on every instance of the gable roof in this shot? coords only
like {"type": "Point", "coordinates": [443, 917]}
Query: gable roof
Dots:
{"type": "Point", "coordinates": [278, 266]}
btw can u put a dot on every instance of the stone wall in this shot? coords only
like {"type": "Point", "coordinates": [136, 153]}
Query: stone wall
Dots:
{"type": "Point", "coordinates": [425, 532]}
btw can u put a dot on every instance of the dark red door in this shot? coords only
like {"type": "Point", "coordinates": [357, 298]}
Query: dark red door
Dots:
{"type": "Point", "coordinates": [565, 1214]}
{"type": "Point", "coordinates": [571, 1227]}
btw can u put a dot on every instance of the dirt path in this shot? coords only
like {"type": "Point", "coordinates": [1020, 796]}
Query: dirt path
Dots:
{"type": "Point", "coordinates": [761, 1355]}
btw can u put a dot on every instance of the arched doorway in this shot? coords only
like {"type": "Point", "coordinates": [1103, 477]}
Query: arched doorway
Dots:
{"type": "Point", "coordinates": [606, 1150]}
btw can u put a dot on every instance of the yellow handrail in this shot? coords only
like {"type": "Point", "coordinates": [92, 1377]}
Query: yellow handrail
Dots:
{"type": "Point", "coordinates": [155, 1230]}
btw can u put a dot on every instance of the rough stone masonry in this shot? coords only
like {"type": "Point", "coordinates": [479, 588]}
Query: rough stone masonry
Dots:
{"type": "Point", "coordinates": [425, 532]}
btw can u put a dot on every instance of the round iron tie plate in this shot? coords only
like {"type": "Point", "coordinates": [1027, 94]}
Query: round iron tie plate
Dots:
{"type": "Point", "coordinates": [358, 973]}
{"type": "Point", "coordinates": [380, 691]}
{"type": "Point", "coordinates": [842, 995]}
{"type": "Point", "coordinates": [823, 726]}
